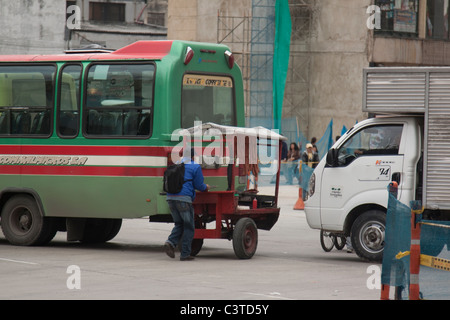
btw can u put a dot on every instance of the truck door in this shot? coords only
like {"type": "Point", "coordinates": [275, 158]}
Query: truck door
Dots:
{"type": "Point", "coordinates": [363, 167]}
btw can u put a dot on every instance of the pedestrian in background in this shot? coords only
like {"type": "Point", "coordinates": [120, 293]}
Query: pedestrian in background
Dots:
{"type": "Point", "coordinates": [313, 142]}
{"type": "Point", "coordinates": [310, 157]}
{"type": "Point", "coordinates": [292, 163]}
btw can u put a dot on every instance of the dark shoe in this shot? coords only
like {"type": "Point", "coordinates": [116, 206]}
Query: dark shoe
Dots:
{"type": "Point", "coordinates": [170, 251]}
{"type": "Point", "coordinates": [189, 258]}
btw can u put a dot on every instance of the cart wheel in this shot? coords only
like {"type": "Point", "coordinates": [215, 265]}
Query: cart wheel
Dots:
{"type": "Point", "coordinates": [327, 240]}
{"type": "Point", "coordinates": [340, 242]}
{"type": "Point", "coordinates": [196, 246]}
{"type": "Point", "coordinates": [245, 238]}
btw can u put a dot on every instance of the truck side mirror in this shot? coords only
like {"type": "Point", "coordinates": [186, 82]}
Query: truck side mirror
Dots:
{"type": "Point", "coordinates": [332, 158]}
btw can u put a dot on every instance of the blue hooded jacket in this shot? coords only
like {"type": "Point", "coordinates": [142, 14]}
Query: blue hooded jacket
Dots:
{"type": "Point", "coordinates": [193, 180]}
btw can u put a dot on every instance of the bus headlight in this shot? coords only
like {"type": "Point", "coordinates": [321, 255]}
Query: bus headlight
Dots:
{"type": "Point", "coordinates": [312, 185]}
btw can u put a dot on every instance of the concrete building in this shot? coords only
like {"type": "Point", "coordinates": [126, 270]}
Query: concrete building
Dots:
{"type": "Point", "coordinates": [28, 26]}
{"type": "Point", "coordinates": [339, 45]}
{"type": "Point", "coordinates": [51, 26]}
{"type": "Point", "coordinates": [113, 24]}
{"type": "Point", "coordinates": [332, 41]}
{"type": "Point", "coordinates": [329, 48]}
{"type": "Point", "coordinates": [414, 32]}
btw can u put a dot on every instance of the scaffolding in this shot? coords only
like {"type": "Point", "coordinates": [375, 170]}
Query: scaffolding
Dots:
{"type": "Point", "coordinates": [251, 37]}
{"type": "Point", "coordinates": [297, 92]}
{"type": "Point", "coordinates": [261, 63]}
{"type": "Point", "coordinates": [235, 32]}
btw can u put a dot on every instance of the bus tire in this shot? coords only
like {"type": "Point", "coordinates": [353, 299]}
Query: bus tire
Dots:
{"type": "Point", "coordinates": [245, 238]}
{"type": "Point", "coordinates": [100, 230]}
{"type": "Point", "coordinates": [23, 223]}
{"type": "Point", "coordinates": [367, 235]}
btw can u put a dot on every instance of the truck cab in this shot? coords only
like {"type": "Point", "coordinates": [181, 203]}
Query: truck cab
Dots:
{"type": "Point", "coordinates": [405, 140]}
{"type": "Point", "coordinates": [348, 189]}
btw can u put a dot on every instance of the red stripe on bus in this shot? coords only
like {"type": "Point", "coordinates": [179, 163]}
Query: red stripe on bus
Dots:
{"type": "Point", "coordinates": [95, 171]}
{"type": "Point", "coordinates": [82, 171]}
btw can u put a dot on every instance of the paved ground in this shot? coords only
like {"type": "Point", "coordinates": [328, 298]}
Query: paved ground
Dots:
{"type": "Point", "coordinates": [289, 264]}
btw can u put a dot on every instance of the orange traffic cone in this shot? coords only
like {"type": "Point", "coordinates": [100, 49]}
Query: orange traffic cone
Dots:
{"type": "Point", "coordinates": [299, 205]}
{"type": "Point", "coordinates": [384, 292]}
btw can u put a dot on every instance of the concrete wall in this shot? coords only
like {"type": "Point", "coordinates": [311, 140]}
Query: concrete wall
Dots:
{"type": "Point", "coordinates": [338, 50]}
{"type": "Point", "coordinates": [25, 27]}
{"type": "Point", "coordinates": [417, 52]}
{"type": "Point", "coordinates": [339, 53]}
{"type": "Point", "coordinates": [196, 20]}
{"type": "Point", "coordinates": [39, 27]}
{"type": "Point", "coordinates": [182, 20]}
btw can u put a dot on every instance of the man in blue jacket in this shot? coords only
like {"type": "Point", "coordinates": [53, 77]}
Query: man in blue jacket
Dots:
{"type": "Point", "coordinates": [182, 211]}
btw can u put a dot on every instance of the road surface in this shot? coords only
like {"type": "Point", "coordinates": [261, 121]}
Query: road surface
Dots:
{"type": "Point", "coordinates": [289, 264]}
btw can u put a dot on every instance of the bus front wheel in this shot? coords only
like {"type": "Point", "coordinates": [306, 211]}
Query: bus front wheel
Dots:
{"type": "Point", "coordinates": [23, 224]}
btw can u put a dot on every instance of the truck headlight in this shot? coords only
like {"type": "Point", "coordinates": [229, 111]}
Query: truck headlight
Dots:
{"type": "Point", "coordinates": [312, 185]}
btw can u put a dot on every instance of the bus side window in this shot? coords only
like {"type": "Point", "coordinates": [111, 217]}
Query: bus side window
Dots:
{"type": "Point", "coordinates": [69, 101]}
{"type": "Point", "coordinates": [26, 96]}
{"type": "Point", "coordinates": [119, 100]}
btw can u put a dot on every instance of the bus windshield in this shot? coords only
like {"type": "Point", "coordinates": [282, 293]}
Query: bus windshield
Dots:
{"type": "Point", "coordinates": [207, 98]}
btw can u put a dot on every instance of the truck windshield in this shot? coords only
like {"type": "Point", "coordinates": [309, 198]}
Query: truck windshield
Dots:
{"type": "Point", "coordinates": [207, 98]}
{"type": "Point", "coordinates": [374, 140]}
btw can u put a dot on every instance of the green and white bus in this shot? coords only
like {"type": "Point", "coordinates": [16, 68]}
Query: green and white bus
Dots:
{"type": "Point", "coordinates": [85, 138]}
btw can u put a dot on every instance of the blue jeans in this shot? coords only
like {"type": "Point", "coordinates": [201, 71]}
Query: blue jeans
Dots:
{"type": "Point", "coordinates": [290, 171]}
{"type": "Point", "coordinates": [183, 217]}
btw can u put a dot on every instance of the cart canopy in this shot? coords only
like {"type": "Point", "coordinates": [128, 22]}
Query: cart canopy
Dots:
{"type": "Point", "coordinates": [258, 132]}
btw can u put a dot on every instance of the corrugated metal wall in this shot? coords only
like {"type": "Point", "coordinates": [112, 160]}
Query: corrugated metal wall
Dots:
{"type": "Point", "coordinates": [437, 179]}
{"type": "Point", "coordinates": [418, 90]}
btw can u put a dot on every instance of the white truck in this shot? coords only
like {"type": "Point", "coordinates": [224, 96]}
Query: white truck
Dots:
{"type": "Point", "coordinates": [406, 139]}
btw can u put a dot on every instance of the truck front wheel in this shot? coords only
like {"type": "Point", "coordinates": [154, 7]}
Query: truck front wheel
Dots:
{"type": "Point", "coordinates": [367, 235]}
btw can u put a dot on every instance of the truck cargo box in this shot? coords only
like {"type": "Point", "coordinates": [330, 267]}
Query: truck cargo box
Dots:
{"type": "Point", "coordinates": [424, 91]}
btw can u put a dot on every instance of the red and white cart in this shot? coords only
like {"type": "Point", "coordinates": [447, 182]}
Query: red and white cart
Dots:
{"type": "Point", "coordinates": [238, 214]}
